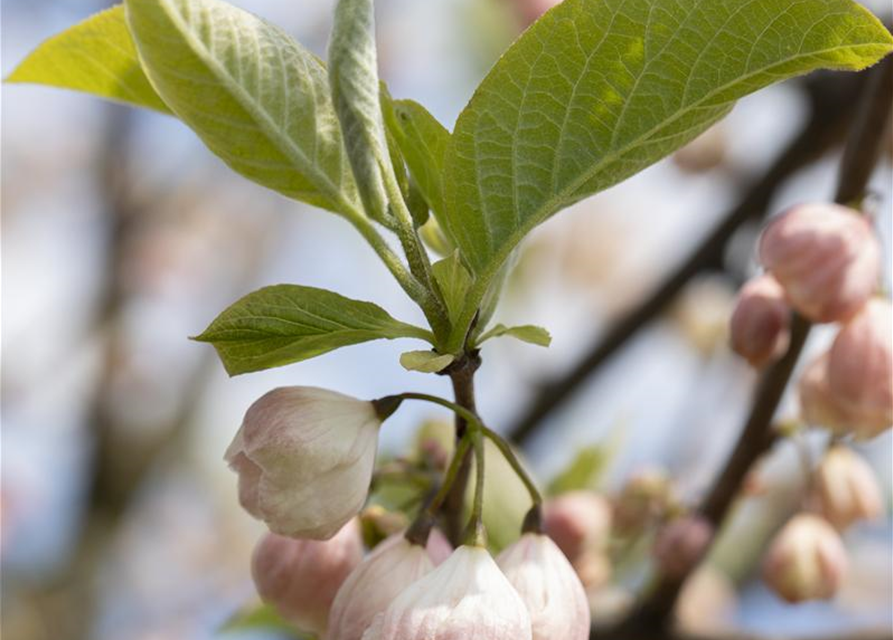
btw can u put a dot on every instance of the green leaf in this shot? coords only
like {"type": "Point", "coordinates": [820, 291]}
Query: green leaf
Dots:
{"type": "Point", "coordinates": [257, 98]}
{"type": "Point", "coordinates": [259, 617]}
{"type": "Point", "coordinates": [95, 56]}
{"type": "Point", "coordinates": [353, 75]}
{"type": "Point", "coordinates": [423, 142]}
{"type": "Point", "coordinates": [526, 333]}
{"type": "Point", "coordinates": [584, 471]}
{"type": "Point", "coordinates": [426, 361]}
{"type": "Point", "coordinates": [454, 282]}
{"type": "Point", "coordinates": [286, 323]}
{"type": "Point", "coordinates": [597, 90]}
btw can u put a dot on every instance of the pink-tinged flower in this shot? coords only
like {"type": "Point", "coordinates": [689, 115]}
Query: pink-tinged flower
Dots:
{"type": "Point", "coordinates": [847, 488]}
{"type": "Point", "coordinates": [578, 521]}
{"type": "Point", "coordinates": [549, 587]}
{"type": "Point", "coordinates": [826, 257]}
{"type": "Point", "coordinates": [465, 597]}
{"type": "Point", "coordinates": [381, 577]}
{"type": "Point", "coordinates": [301, 577]}
{"type": "Point", "coordinates": [860, 368]}
{"type": "Point", "coordinates": [818, 406]}
{"type": "Point", "coordinates": [304, 458]}
{"type": "Point", "coordinates": [806, 560]}
{"type": "Point", "coordinates": [760, 327]}
{"type": "Point", "coordinates": [681, 544]}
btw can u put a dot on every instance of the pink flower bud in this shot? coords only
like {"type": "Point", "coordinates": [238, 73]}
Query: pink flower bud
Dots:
{"type": "Point", "coordinates": [304, 458]}
{"type": "Point", "coordinates": [549, 587]}
{"type": "Point", "coordinates": [860, 368]}
{"type": "Point", "coordinates": [578, 521]}
{"type": "Point", "coordinates": [389, 569]}
{"type": "Point", "coordinates": [761, 321]}
{"type": "Point", "coordinates": [818, 405]}
{"type": "Point", "coordinates": [681, 544]}
{"type": "Point", "coordinates": [594, 569]}
{"type": "Point", "coordinates": [465, 597]}
{"type": "Point", "coordinates": [847, 488]}
{"type": "Point", "coordinates": [826, 257]}
{"type": "Point", "coordinates": [647, 495]}
{"type": "Point", "coordinates": [806, 560]}
{"type": "Point", "coordinates": [301, 577]}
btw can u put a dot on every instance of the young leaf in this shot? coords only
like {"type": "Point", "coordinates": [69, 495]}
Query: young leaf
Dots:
{"type": "Point", "coordinates": [454, 281]}
{"type": "Point", "coordinates": [286, 323]}
{"type": "Point", "coordinates": [256, 97]}
{"type": "Point", "coordinates": [423, 142]}
{"type": "Point", "coordinates": [426, 361]}
{"type": "Point", "coordinates": [526, 333]}
{"type": "Point", "coordinates": [95, 56]}
{"type": "Point", "coordinates": [584, 472]}
{"type": "Point", "coordinates": [353, 76]}
{"type": "Point", "coordinates": [596, 91]}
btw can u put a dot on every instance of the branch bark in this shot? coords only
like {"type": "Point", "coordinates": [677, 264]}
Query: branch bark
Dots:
{"type": "Point", "coordinates": [831, 111]}
{"type": "Point", "coordinates": [653, 616]}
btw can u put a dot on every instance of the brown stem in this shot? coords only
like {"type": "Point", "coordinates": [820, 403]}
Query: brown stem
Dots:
{"type": "Point", "coordinates": [859, 158]}
{"type": "Point", "coordinates": [831, 111]}
{"type": "Point", "coordinates": [461, 374]}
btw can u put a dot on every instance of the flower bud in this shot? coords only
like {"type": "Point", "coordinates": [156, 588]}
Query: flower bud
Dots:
{"type": "Point", "coordinates": [806, 560]}
{"type": "Point", "coordinates": [647, 495]}
{"type": "Point", "coordinates": [760, 330]}
{"type": "Point", "coordinates": [594, 569]}
{"type": "Point", "coordinates": [860, 368]}
{"type": "Point", "coordinates": [578, 521]}
{"type": "Point", "coordinates": [825, 256]}
{"type": "Point", "coordinates": [465, 597]}
{"type": "Point", "coordinates": [394, 565]}
{"type": "Point", "coordinates": [847, 488]}
{"type": "Point", "coordinates": [304, 458]}
{"type": "Point", "coordinates": [549, 587]}
{"type": "Point", "coordinates": [681, 544]}
{"type": "Point", "coordinates": [301, 577]}
{"type": "Point", "coordinates": [817, 404]}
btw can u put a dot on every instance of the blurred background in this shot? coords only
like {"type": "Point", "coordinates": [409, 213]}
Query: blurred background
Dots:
{"type": "Point", "coordinates": [122, 236]}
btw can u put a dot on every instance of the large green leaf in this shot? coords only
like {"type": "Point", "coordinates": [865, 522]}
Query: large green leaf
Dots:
{"type": "Point", "coordinates": [286, 323]}
{"type": "Point", "coordinates": [95, 56]}
{"type": "Point", "coordinates": [353, 75]}
{"type": "Point", "coordinates": [597, 90]}
{"type": "Point", "coordinates": [257, 98]}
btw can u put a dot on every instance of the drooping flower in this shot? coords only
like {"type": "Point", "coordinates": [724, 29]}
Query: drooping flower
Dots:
{"type": "Point", "coordinates": [304, 458]}
{"type": "Point", "coordinates": [847, 487]}
{"type": "Point", "coordinates": [806, 560]}
{"type": "Point", "coordinates": [578, 521]}
{"type": "Point", "coordinates": [465, 597]}
{"type": "Point", "coordinates": [860, 368]}
{"type": "Point", "coordinates": [301, 577]}
{"type": "Point", "coordinates": [760, 326]}
{"type": "Point", "coordinates": [394, 565]}
{"type": "Point", "coordinates": [549, 586]}
{"type": "Point", "coordinates": [825, 256]}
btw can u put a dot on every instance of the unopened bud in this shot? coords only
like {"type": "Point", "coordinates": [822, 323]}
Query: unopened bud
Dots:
{"type": "Point", "coordinates": [394, 565]}
{"type": "Point", "coordinates": [465, 597]}
{"type": "Point", "coordinates": [681, 545]}
{"type": "Point", "coordinates": [301, 577]}
{"type": "Point", "coordinates": [549, 587]}
{"type": "Point", "coordinates": [304, 458]}
{"type": "Point", "coordinates": [647, 495]}
{"type": "Point", "coordinates": [847, 488]}
{"type": "Point", "coordinates": [817, 404]}
{"type": "Point", "coordinates": [860, 368]}
{"type": "Point", "coordinates": [826, 257]}
{"type": "Point", "coordinates": [578, 521]}
{"type": "Point", "coordinates": [806, 560]}
{"type": "Point", "coordinates": [760, 330]}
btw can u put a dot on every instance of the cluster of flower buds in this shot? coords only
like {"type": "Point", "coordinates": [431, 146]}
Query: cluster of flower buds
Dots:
{"type": "Point", "coordinates": [305, 460]}
{"type": "Point", "coordinates": [579, 522]}
{"type": "Point", "coordinates": [823, 261]}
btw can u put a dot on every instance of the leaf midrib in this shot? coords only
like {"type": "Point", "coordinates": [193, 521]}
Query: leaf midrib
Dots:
{"type": "Point", "coordinates": [281, 139]}
{"type": "Point", "coordinates": [555, 202]}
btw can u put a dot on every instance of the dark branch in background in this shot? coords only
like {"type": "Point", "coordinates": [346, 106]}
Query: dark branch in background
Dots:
{"type": "Point", "coordinates": [652, 618]}
{"type": "Point", "coordinates": [832, 109]}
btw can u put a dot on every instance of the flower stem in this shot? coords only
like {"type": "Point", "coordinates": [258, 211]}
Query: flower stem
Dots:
{"type": "Point", "coordinates": [475, 534]}
{"type": "Point", "coordinates": [516, 465]}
